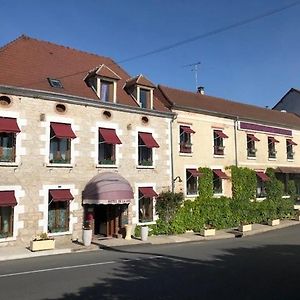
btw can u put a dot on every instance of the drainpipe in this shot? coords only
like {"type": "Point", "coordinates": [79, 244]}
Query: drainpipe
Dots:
{"type": "Point", "coordinates": [235, 141]}
{"type": "Point", "coordinates": [171, 152]}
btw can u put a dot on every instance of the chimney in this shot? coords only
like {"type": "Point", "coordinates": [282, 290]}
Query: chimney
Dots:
{"type": "Point", "coordinates": [200, 90]}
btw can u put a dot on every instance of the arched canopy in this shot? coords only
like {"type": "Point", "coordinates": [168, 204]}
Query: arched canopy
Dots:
{"type": "Point", "coordinates": [107, 188]}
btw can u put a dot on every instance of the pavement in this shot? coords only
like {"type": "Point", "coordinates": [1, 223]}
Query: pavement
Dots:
{"type": "Point", "coordinates": [19, 252]}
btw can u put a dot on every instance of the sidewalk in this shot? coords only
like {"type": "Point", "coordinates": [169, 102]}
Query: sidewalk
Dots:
{"type": "Point", "coordinates": [13, 252]}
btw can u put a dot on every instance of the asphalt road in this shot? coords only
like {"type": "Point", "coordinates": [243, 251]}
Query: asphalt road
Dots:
{"type": "Point", "coordinates": [265, 266]}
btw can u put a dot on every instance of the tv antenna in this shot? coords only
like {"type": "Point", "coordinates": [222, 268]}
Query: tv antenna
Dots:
{"type": "Point", "coordinates": [195, 69]}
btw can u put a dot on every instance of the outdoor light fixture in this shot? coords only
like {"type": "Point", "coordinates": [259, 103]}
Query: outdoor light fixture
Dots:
{"type": "Point", "coordinates": [177, 177]}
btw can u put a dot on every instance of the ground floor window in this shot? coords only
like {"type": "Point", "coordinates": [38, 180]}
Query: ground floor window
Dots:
{"type": "Point", "coordinates": [260, 189]}
{"type": "Point", "coordinates": [58, 216]}
{"type": "Point", "coordinates": [6, 221]}
{"type": "Point", "coordinates": [217, 184]}
{"type": "Point", "coordinates": [145, 210]}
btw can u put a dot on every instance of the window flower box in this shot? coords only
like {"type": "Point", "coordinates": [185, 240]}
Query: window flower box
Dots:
{"type": "Point", "coordinates": [42, 242]}
{"type": "Point", "coordinates": [274, 222]}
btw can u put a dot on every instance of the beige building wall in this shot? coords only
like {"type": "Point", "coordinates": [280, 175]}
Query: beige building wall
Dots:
{"type": "Point", "coordinates": [32, 175]}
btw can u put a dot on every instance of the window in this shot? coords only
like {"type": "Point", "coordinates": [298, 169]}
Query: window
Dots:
{"type": "Point", "coordinates": [218, 175]}
{"type": "Point", "coordinates": [219, 147]}
{"type": "Point", "coordinates": [7, 203]}
{"type": "Point", "coordinates": [107, 146]}
{"type": "Point", "coordinates": [192, 176]}
{"type": "Point", "coordinates": [251, 150]}
{"type": "Point", "coordinates": [289, 148]}
{"type": "Point", "coordinates": [58, 210]}
{"type": "Point", "coordinates": [271, 147]}
{"type": "Point", "coordinates": [8, 130]}
{"type": "Point", "coordinates": [106, 90]}
{"type": "Point", "coordinates": [185, 139]}
{"type": "Point", "coordinates": [56, 83]}
{"type": "Point", "coordinates": [60, 143]}
{"type": "Point", "coordinates": [145, 144]}
{"type": "Point", "coordinates": [260, 187]}
{"type": "Point", "coordinates": [144, 98]}
{"type": "Point", "coordinates": [146, 195]}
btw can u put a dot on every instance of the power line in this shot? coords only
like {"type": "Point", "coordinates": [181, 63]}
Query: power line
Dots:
{"type": "Point", "coordinates": [198, 37]}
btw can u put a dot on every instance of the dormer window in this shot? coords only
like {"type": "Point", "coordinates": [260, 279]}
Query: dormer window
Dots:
{"type": "Point", "coordinates": [103, 81]}
{"type": "Point", "coordinates": [141, 89]}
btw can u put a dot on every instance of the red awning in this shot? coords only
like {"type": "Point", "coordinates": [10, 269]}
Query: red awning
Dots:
{"type": "Point", "coordinates": [221, 134]}
{"type": "Point", "coordinates": [147, 192]}
{"type": "Point", "coordinates": [262, 176]}
{"type": "Point", "coordinates": [194, 172]}
{"type": "Point", "coordinates": [220, 174]}
{"type": "Point", "coordinates": [291, 142]}
{"type": "Point", "coordinates": [109, 136]}
{"type": "Point", "coordinates": [62, 130]}
{"type": "Point", "coordinates": [187, 129]}
{"type": "Point", "coordinates": [253, 138]}
{"type": "Point", "coordinates": [273, 140]}
{"type": "Point", "coordinates": [61, 195]}
{"type": "Point", "coordinates": [148, 140]}
{"type": "Point", "coordinates": [9, 125]}
{"type": "Point", "coordinates": [7, 198]}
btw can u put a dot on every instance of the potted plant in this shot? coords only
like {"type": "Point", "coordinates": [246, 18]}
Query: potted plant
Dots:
{"type": "Point", "coordinates": [245, 226]}
{"type": "Point", "coordinates": [297, 215]}
{"type": "Point", "coordinates": [144, 233]}
{"type": "Point", "coordinates": [42, 242]}
{"type": "Point", "coordinates": [208, 230]}
{"type": "Point", "coordinates": [87, 233]}
{"type": "Point", "coordinates": [273, 219]}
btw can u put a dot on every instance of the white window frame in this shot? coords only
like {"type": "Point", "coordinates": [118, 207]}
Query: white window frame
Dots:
{"type": "Point", "coordinates": [98, 92]}
{"type": "Point", "coordinates": [138, 94]}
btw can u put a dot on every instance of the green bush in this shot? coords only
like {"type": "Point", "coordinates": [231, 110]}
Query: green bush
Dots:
{"type": "Point", "coordinates": [274, 187]}
{"type": "Point", "coordinates": [205, 184]}
{"type": "Point", "coordinates": [292, 190]}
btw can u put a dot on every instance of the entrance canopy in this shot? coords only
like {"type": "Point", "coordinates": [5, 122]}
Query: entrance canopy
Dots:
{"type": "Point", "coordinates": [107, 188]}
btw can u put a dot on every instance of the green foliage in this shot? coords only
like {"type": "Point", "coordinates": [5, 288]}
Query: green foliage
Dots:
{"type": "Point", "coordinates": [205, 185]}
{"type": "Point", "coordinates": [243, 183]}
{"type": "Point", "coordinates": [274, 187]}
{"type": "Point", "coordinates": [292, 190]}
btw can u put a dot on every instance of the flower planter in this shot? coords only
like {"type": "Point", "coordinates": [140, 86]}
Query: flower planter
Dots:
{"type": "Point", "coordinates": [144, 233]}
{"type": "Point", "coordinates": [274, 222]}
{"type": "Point", "coordinates": [87, 235]}
{"type": "Point", "coordinates": [208, 232]}
{"type": "Point", "coordinates": [297, 217]}
{"type": "Point", "coordinates": [42, 245]}
{"type": "Point", "coordinates": [244, 228]}
{"type": "Point", "coordinates": [128, 228]}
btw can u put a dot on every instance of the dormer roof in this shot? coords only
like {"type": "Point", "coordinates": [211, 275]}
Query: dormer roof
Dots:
{"type": "Point", "coordinates": [139, 80]}
{"type": "Point", "coordinates": [103, 71]}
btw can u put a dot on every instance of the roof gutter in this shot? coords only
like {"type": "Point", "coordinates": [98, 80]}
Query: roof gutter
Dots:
{"type": "Point", "coordinates": [51, 96]}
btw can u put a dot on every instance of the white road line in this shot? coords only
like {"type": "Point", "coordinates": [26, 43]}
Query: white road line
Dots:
{"type": "Point", "coordinates": [74, 267]}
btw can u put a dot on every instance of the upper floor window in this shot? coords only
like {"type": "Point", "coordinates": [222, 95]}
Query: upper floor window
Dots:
{"type": "Point", "coordinates": [8, 130]}
{"type": "Point", "coordinates": [60, 143]}
{"type": "Point", "coordinates": [145, 152]}
{"type": "Point", "coordinates": [146, 205]}
{"type": "Point", "coordinates": [58, 210]}
{"type": "Point", "coordinates": [185, 139]}
{"type": "Point", "coordinates": [260, 187]}
{"type": "Point", "coordinates": [218, 176]}
{"type": "Point", "coordinates": [271, 147]}
{"type": "Point", "coordinates": [219, 137]}
{"type": "Point", "coordinates": [290, 148]}
{"type": "Point", "coordinates": [192, 176]}
{"type": "Point", "coordinates": [106, 90]}
{"type": "Point", "coordinates": [7, 203]}
{"type": "Point", "coordinates": [108, 140]}
{"type": "Point", "coordinates": [251, 150]}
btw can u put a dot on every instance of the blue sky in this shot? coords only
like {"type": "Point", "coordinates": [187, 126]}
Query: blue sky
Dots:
{"type": "Point", "coordinates": [256, 63]}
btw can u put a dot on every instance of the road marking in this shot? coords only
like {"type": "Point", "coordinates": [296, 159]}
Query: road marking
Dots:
{"type": "Point", "coordinates": [75, 267]}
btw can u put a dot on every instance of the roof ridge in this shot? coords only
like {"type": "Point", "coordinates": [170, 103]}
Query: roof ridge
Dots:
{"type": "Point", "coordinates": [227, 100]}
{"type": "Point", "coordinates": [22, 36]}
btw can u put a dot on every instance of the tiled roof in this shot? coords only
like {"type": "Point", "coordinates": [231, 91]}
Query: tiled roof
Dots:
{"type": "Point", "coordinates": [27, 63]}
{"type": "Point", "coordinates": [140, 80]}
{"type": "Point", "coordinates": [189, 100]}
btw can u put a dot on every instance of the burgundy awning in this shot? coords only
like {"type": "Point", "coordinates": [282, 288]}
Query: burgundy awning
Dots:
{"type": "Point", "coordinates": [62, 130]}
{"type": "Point", "coordinates": [107, 188]}
{"type": "Point", "coordinates": [221, 134]}
{"type": "Point", "coordinates": [220, 174]}
{"type": "Point", "coordinates": [273, 140]}
{"type": "Point", "coordinates": [7, 198]}
{"type": "Point", "coordinates": [109, 136]}
{"type": "Point", "coordinates": [9, 125]}
{"type": "Point", "coordinates": [253, 138]}
{"type": "Point", "coordinates": [262, 176]}
{"type": "Point", "coordinates": [187, 129]}
{"type": "Point", "coordinates": [61, 195]}
{"type": "Point", "coordinates": [148, 140]}
{"type": "Point", "coordinates": [147, 192]}
{"type": "Point", "coordinates": [291, 142]}
{"type": "Point", "coordinates": [194, 172]}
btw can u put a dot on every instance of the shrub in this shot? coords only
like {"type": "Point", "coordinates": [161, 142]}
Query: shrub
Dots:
{"type": "Point", "coordinates": [205, 184]}
{"type": "Point", "coordinates": [274, 187]}
{"type": "Point", "coordinates": [292, 190]}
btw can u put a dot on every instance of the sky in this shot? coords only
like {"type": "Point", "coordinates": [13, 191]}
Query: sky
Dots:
{"type": "Point", "coordinates": [256, 63]}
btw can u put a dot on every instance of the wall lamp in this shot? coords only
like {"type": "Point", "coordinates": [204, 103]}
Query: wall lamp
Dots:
{"type": "Point", "coordinates": [177, 177]}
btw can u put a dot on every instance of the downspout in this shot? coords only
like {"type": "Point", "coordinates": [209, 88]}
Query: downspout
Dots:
{"type": "Point", "coordinates": [235, 141]}
{"type": "Point", "coordinates": [172, 153]}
